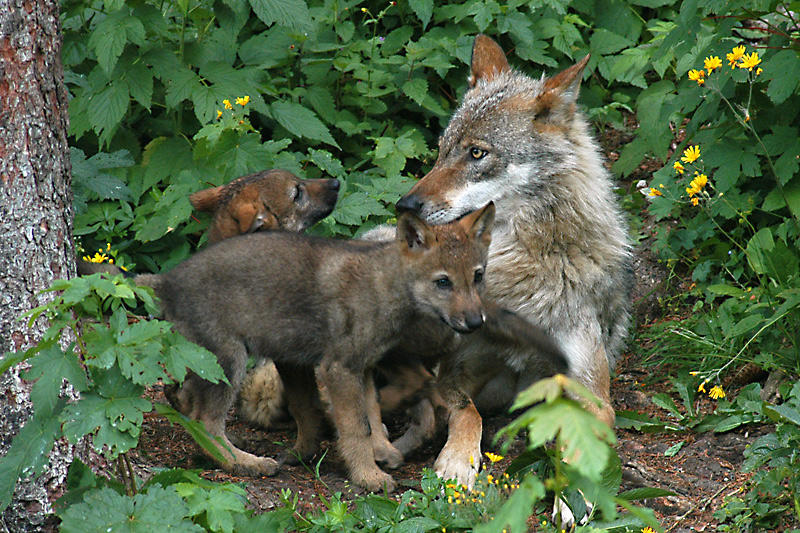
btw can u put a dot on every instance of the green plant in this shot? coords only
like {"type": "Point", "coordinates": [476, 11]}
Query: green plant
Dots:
{"type": "Point", "coordinates": [115, 355]}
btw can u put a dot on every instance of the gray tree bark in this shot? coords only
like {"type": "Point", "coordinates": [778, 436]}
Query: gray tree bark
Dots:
{"type": "Point", "coordinates": [36, 244]}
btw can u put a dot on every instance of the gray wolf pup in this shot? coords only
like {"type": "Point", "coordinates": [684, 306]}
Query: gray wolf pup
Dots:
{"type": "Point", "coordinates": [334, 306]}
{"type": "Point", "coordinates": [268, 200]}
{"type": "Point", "coordinates": [559, 256]}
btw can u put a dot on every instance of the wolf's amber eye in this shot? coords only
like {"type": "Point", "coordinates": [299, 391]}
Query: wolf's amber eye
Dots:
{"type": "Point", "coordinates": [478, 276]}
{"type": "Point", "coordinates": [443, 283]}
{"type": "Point", "coordinates": [477, 153]}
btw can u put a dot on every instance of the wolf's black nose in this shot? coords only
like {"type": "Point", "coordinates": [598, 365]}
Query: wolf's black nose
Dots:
{"type": "Point", "coordinates": [334, 184]}
{"type": "Point", "coordinates": [409, 202]}
{"type": "Point", "coordinates": [473, 321]}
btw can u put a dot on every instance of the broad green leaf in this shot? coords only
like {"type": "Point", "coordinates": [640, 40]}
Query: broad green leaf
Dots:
{"type": "Point", "coordinates": [416, 89]}
{"type": "Point", "coordinates": [515, 512]}
{"type": "Point", "coordinates": [49, 368]}
{"type": "Point", "coordinates": [783, 69]}
{"type": "Point", "coordinates": [290, 13]}
{"type": "Point", "coordinates": [181, 354]}
{"type": "Point", "coordinates": [423, 10]}
{"type": "Point", "coordinates": [644, 493]}
{"type": "Point", "coordinates": [105, 510]}
{"type": "Point", "coordinates": [29, 451]}
{"type": "Point", "coordinates": [219, 503]}
{"type": "Point", "coordinates": [109, 106]}
{"type": "Point", "coordinates": [301, 121]}
{"type": "Point", "coordinates": [108, 40]}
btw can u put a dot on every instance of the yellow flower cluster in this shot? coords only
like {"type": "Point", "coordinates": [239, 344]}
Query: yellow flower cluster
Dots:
{"type": "Point", "coordinates": [460, 494]}
{"type": "Point", "coordinates": [716, 391]}
{"type": "Point", "coordinates": [493, 457]}
{"type": "Point", "coordinates": [226, 103]}
{"type": "Point", "coordinates": [739, 58]}
{"type": "Point", "coordinates": [697, 184]}
{"type": "Point", "coordinates": [100, 256]}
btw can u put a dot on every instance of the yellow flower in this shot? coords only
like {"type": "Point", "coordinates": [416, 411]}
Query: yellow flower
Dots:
{"type": "Point", "coordinates": [759, 70]}
{"type": "Point", "coordinates": [678, 167]}
{"type": "Point", "coordinates": [648, 530]}
{"type": "Point", "coordinates": [693, 373]}
{"type": "Point", "coordinates": [702, 387]}
{"type": "Point", "coordinates": [243, 101]}
{"type": "Point", "coordinates": [219, 114]}
{"type": "Point", "coordinates": [749, 61]}
{"type": "Point", "coordinates": [716, 392]}
{"type": "Point", "coordinates": [736, 54]}
{"type": "Point", "coordinates": [493, 457]}
{"type": "Point", "coordinates": [699, 181]}
{"type": "Point", "coordinates": [654, 192]}
{"type": "Point", "coordinates": [711, 63]}
{"type": "Point", "coordinates": [227, 104]}
{"type": "Point", "coordinates": [471, 460]}
{"type": "Point", "coordinates": [698, 76]}
{"type": "Point", "coordinates": [695, 201]}
{"type": "Point", "coordinates": [364, 10]}
{"type": "Point", "coordinates": [691, 154]}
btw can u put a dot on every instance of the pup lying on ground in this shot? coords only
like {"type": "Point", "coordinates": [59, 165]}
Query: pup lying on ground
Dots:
{"type": "Point", "coordinates": [336, 306]}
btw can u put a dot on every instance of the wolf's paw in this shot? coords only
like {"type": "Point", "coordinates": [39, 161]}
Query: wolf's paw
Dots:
{"type": "Point", "coordinates": [387, 454]}
{"type": "Point", "coordinates": [374, 480]}
{"type": "Point", "coordinates": [462, 466]}
{"type": "Point", "coordinates": [257, 466]}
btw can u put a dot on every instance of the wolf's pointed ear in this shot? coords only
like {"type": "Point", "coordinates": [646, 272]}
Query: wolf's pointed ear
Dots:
{"type": "Point", "coordinates": [566, 84]}
{"type": "Point", "coordinates": [478, 224]}
{"type": "Point", "coordinates": [207, 199]}
{"type": "Point", "coordinates": [414, 232]}
{"type": "Point", "coordinates": [488, 60]}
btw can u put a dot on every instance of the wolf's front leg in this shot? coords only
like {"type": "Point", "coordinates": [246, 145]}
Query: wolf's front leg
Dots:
{"type": "Point", "coordinates": [384, 451]}
{"type": "Point", "coordinates": [460, 458]}
{"type": "Point", "coordinates": [347, 391]}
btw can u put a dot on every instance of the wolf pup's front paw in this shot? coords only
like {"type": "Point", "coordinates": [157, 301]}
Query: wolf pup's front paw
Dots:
{"type": "Point", "coordinates": [459, 465]}
{"type": "Point", "coordinates": [374, 480]}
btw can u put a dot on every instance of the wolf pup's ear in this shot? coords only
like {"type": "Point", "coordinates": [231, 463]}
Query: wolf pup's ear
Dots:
{"type": "Point", "coordinates": [207, 199]}
{"type": "Point", "coordinates": [488, 60]}
{"type": "Point", "coordinates": [478, 224]}
{"type": "Point", "coordinates": [566, 84]}
{"type": "Point", "coordinates": [414, 232]}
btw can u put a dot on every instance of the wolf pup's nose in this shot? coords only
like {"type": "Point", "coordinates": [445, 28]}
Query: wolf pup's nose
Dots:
{"type": "Point", "coordinates": [334, 184]}
{"type": "Point", "coordinates": [409, 202]}
{"type": "Point", "coordinates": [473, 321]}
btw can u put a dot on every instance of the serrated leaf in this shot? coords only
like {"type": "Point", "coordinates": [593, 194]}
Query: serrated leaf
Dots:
{"type": "Point", "coordinates": [109, 106]}
{"type": "Point", "coordinates": [108, 40]}
{"type": "Point", "coordinates": [219, 503]}
{"type": "Point", "coordinates": [29, 452]}
{"type": "Point", "coordinates": [644, 493]}
{"type": "Point", "coordinates": [140, 83]}
{"type": "Point", "coordinates": [105, 510]}
{"type": "Point", "coordinates": [291, 13]}
{"type": "Point", "coordinates": [327, 163]}
{"type": "Point", "coordinates": [354, 208]}
{"type": "Point", "coordinates": [301, 121]}
{"type": "Point", "coordinates": [416, 89]}
{"type": "Point", "coordinates": [783, 68]}
{"type": "Point", "coordinates": [182, 354]}
{"type": "Point", "coordinates": [517, 509]}
{"type": "Point", "coordinates": [49, 368]}
{"type": "Point", "coordinates": [423, 9]}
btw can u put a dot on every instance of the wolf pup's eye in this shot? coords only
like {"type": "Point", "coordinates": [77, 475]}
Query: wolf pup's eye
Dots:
{"type": "Point", "coordinates": [478, 276]}
{"type": "Point", "coordinates": [443, 283]}
{"type": "Point", "coordinates": [297, 193]}
{"type": "Point", "coordinates": [477, 153]}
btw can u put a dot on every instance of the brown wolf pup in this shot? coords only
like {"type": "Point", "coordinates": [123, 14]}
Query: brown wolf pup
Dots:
{"type": "Point", "coordinates": [560, 255]}
{"type": "Point", "coordinates": [336, 306]}
{"type": "Point", "coordinates": [267, 200]}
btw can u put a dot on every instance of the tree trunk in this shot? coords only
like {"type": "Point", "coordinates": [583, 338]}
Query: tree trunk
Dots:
{"type": "Point", "coordinates": [36, 244]}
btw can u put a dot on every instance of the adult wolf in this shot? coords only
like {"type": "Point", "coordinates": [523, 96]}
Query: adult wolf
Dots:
{"type": "Point", "coordinates": [559, 255]}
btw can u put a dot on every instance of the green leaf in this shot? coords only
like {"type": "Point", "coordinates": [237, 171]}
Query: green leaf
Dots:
{"type": "Point", "coordinates": [644, 493]}
{"type": "Point", "coordinates": [109, 107]}
{"type": "Point", "coordinates": [49, 368]}
{"type": "Point", "coordinates": [416, 89]}
{"type": "Point", "coordinates": [29, 452]}
{"type": "Point", "coordinates": [181, 354]}
{"type": "Point", "coordinates": [195, 428]}
{"type": "Point", "coordinates": [108, 40]}
{"type": "Point", "coordinates": [290, 13]}
{"type": "Point", "coordinates": [219, 503]}
{"type": "Point", "coordinates": [301, 121]}
{"type": "Point", "coordinates": [783, 69]}
{"type": "Point", "coordinates": [423, 10]}
{"type": "Point", "coordinates": [105, 510]}
{"type": "Point", "coordinates": [517, 509]}
{"type": "Point", "coordinates": [354, 208]}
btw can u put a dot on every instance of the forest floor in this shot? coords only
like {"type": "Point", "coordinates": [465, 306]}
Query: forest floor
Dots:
{"type": "Point", "coordinates": [705, 470]}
